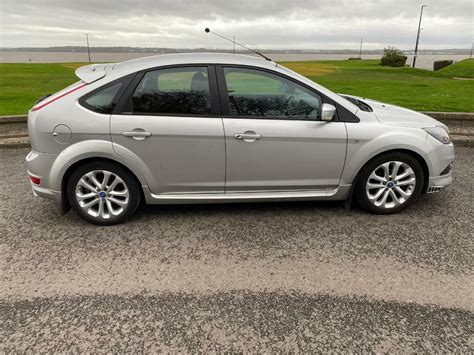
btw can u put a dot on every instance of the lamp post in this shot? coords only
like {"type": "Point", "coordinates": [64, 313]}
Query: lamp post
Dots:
{"type": "Point", "coordinates": [418, 35]}
{"type": "Point", "coordinates": [88, 49]}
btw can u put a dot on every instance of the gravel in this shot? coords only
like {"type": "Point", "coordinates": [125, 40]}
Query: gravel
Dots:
{"type": "Point", "coordinates": [239, 277]}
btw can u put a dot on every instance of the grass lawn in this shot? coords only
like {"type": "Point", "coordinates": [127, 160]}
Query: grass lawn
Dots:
{"type": "Point", "coordinates": [462, 69]}
{"type": "Point", "coordinates": [22, 84]}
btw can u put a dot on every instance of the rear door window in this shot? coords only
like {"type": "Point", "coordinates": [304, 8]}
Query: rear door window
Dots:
{"type": "Point", "coordinates": [173, 91]}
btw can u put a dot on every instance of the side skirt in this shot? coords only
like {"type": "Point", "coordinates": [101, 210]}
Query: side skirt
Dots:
{"type": "Point", "coordinates": [340, 193]}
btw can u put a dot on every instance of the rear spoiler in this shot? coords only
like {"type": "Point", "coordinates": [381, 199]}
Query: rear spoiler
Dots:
{"type": "Point", "coordinates": [93, 72]}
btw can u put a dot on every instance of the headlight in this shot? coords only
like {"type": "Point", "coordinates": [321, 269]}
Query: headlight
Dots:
{"type": "Point", "coordinates": [439, 133]}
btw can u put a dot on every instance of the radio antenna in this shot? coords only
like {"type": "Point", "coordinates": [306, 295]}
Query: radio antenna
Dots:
{"type": "Point", "coordinates": [207, 30]}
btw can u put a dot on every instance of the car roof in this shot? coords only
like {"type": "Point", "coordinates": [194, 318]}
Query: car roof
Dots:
{"type": "Point", "coordinates": [191, 58]}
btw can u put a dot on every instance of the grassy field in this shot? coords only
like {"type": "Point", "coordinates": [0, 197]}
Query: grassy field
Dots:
{"type": "Point", "coordinates": [462, 69]}
{"type": "Point", "coordinates": [22, 84]}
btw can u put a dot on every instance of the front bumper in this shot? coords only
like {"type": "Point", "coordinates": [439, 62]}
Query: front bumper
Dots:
{"type": "Point", "coordinates": [441, 173]}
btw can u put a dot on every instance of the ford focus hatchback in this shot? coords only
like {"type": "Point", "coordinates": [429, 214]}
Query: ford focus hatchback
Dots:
{"type": "Point", "coordinates": [205, 128]}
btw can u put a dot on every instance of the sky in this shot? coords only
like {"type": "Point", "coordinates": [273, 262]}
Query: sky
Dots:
{"type": "Point", "coordinates": [265, 24]}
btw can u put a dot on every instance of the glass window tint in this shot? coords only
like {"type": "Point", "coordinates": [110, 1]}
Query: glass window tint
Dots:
{"type": "Point", "coordinates": [255, 93]}
{"type": "Point", "coordinates": [102, 101]}
{"type": "Point", "coordinates": [173, 91]}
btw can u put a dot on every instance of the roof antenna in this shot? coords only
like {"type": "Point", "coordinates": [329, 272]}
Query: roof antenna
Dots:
{"type": "Point", "coordinates": [207, 30]}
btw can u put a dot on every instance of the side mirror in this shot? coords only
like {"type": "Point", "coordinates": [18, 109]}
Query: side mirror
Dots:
{"type": "Point", "coordinates": [327, 112]}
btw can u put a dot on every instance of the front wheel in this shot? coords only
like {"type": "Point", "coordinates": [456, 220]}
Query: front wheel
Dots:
{"type": "Point", "coordinates": [103, 193]}
{"type": "Point", "coordinates": [389, 183]}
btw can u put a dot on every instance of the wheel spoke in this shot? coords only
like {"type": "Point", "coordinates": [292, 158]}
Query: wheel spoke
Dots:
{"type": "Point", "coordinates": [122, 203]}
{"type": "Point", "coordinates": [401, 192]}
{"type": "Point", "coordinates": [85, 184]}
{"type": "Point", "coordinates": [377, 195]}
{"type": "Point", "coordinates": [86, 205]}
{"type": "Point", "coordinates": [377, 177]}
{"type": "Point", "coordinates": [119, 193]}
{"type": "Point", "coordinates": [371, 186]}
{"type": "Point", "coordinates": [395, 198]}
{"type": "Point", "coordinates": [86, 196]}
{"type": "Point", "coordinates": [105, 180]}
{"type": "Point", "coordinates": [410, 181]}
{"type": "Point", "coordinates": [396, 168]}
{"type": "Point", "coordinates": [111, 209]}
{"type": "Point", "coordinates": [386, 170]}
{"type": "Point", "coordinates": [94, 180]}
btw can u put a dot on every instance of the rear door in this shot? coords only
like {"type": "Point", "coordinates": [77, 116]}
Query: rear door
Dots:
{"type": "Point", "coordinates": [169, 126]}
{"type": "Point", "coordinates": [275, 138]}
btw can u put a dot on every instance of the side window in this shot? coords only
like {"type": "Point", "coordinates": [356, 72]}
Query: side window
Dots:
{"type": "Point", "coordinates": [103, 99]}
{"type": "Point", "coordinates": [173, 91]}
{"type": "Point", "coordinates": [255, 93]}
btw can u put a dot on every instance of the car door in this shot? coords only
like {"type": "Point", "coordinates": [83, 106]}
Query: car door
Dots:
{"type": "Point", "coordinates": [168, 125]}
{"type": "Point", "coordinates": [275, 140]}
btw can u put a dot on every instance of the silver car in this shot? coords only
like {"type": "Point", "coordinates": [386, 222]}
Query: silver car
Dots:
{"type": "Point", "coordinates": [205, 128]}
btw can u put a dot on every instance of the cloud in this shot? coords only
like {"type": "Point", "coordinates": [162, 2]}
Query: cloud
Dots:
{"type": "Point", "coordinates": [262, 24]}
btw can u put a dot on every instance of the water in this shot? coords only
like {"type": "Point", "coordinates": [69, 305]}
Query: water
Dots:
{"type": "Point", "coordinates": [424, 61]}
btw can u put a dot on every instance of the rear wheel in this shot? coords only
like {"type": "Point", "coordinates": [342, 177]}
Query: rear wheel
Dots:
{"type": "Point", "coordinates": [389, 183]}
{"type": "Point", "coordinates": [103, 193]}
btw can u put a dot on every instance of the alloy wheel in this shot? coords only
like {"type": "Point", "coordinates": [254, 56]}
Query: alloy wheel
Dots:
{"type": "Point", "coordinates": [102, 194]}
{"type": "Point", "coordinates": [391, 184]}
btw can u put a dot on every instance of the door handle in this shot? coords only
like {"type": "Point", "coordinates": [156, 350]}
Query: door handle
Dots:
{"type": "Point", "coordinates": [137, 134]}
{"type": "Point", "coordinates": [248, 136]}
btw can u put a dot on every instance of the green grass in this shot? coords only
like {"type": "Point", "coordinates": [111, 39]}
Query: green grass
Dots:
{"type": "Point", "coordinates": [22, 84]}
{"type": "Point", "coordinates": [418, 89]}
{"type": "Point", "coordinates": [462, 69]}
{"type": "Point", "coordinates": [423, 90]}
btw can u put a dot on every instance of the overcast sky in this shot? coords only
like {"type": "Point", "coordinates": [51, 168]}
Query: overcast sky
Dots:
{"type": "Point", "coordinates": [296, 24]}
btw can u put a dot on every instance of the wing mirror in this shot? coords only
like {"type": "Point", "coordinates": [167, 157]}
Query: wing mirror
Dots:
{"type": "Point", "coordinates": [327, 112]}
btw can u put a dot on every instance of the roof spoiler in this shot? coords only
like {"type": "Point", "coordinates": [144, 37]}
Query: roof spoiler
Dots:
{"type": "Point", "coordinates": [93, 72]}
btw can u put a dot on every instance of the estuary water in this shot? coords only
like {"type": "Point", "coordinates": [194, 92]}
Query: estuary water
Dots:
{"type": "Point", "coordinates": [424, 61]}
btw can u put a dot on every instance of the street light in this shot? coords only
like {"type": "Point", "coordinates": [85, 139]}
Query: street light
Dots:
{"type": "Point", "coordinates": [418, 34]}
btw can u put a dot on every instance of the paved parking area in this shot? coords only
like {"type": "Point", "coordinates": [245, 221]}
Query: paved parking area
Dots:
{"type": "Point", "coordinates": [277, 276]}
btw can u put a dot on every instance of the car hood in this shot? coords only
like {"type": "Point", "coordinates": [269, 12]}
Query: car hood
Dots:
{"type": "Point", "coordinates": [399, 116]}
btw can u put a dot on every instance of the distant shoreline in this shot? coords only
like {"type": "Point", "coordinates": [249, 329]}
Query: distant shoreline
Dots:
{"type": "Point", "coordinates": [145, 50]}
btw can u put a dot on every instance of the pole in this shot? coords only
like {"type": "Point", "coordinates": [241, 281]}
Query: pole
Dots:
{"type": "Point", "coordinates": [88, 49]}
{"type": "Point", "coordinates": [360, 49]}
{"type": "Point", "coordinates": [234, 44]}
{"type": "Point", "coordinates": [418, 35]}
{"type": "Point", "coordinates": [470, 55]}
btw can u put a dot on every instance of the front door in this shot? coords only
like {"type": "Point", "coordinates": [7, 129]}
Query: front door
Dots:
{"type": "Point", "coordinates": [275, 140]}
{"type": "Point", "coordinates": [169, 127]}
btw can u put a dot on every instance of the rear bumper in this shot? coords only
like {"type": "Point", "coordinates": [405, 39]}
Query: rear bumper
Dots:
{"type": "Point", "coordinates": [46, 193]}
{"type": "Point", "coordinates": [39, 166]}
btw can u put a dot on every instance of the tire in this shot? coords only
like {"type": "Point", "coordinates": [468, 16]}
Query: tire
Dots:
{"type": "Point", "coordinates": [116, 200]}
{"type": "Point", "coordinates": [379, 191]}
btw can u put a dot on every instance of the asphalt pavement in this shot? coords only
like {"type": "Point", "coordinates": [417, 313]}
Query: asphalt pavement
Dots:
{"type": "Point", "coordinates": [292, 276]}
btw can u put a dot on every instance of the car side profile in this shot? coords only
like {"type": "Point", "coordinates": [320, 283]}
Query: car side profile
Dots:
{"type": "Point", "coordinates": [208, 128]}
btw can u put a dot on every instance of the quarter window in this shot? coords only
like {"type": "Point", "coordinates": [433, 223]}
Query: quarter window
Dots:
{"type": "Point", "coordinates": [173, 91]}
{"type": "Point", "coordinates": [255, 93]}
{"type": "Point", "coordinates": [103, 100]}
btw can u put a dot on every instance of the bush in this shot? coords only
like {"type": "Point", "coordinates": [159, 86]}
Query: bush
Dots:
{"type": "Point", "coordinates": [440, 64]}
{"type": "Point", "coordinates": [393, 57]}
